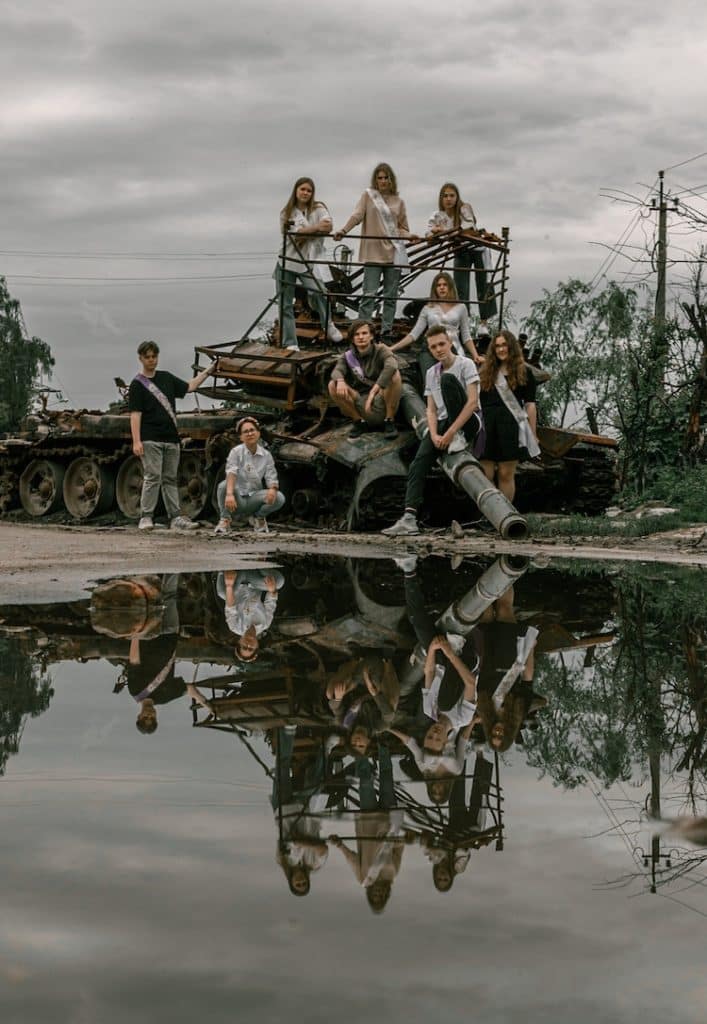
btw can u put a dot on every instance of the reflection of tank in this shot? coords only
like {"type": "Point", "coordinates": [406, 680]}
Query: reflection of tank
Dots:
{"type": "Point", "coordinates": [82, 461]}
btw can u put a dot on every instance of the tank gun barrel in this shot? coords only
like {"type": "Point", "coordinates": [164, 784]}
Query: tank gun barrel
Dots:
{"type": "Point", "coordinates": [464, 471]}
{"type": "Point", "coordinates": [462, 615]}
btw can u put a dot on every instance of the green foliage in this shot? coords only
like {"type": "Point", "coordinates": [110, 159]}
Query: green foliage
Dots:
{"type": "Point", "coordinates": [685, 488]}
{"type": "Point", "coordinates": [25, 689]}
{"type": "Point", "coordinates": [21, 361]}
{"type": "Point", "coordinates": [607, 352]}
{"type": "Point", "coordinates": [642, 697]}
{"type": "Point", "coordinates": [582, 336]}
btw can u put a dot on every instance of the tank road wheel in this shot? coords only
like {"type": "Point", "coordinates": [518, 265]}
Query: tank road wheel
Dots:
{"type": "Point", "coordinates": [128, 487]}
{"type": "Point", "coordinates": [9, 490]}
{"type": "Point", "coordinates": [192, 484]}
{"type": "Point", "coordinates": [89, 488]}
{"type": "Point", "coordinates": [41, 487]}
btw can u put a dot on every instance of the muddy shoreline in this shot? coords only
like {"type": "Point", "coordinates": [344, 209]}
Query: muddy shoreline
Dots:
{"type": "Point", "coordinates": [44, 563]}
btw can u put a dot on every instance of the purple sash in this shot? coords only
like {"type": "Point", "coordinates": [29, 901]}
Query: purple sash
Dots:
{"type": "Point", "coordinates": [159, 395]}
{"type": "Point", "coordinates": [354, 364]}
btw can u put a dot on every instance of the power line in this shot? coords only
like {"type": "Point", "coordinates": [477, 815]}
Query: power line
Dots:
{"type": "Point", "coordinates": [74, 255]}
{"type": "Point", "coordinates": [135, 280]}
{"type": "Point", "coordinates": [688, 161]}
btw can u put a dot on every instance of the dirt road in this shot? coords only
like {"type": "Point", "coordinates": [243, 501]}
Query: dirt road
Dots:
{"type": "Point", "coordinates": [40, 563]}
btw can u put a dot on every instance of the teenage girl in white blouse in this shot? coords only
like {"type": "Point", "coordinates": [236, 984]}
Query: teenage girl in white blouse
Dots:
{"type": "Point", "coordinates": [453, 214]}
{"type": "Point", "coordinates": [444, 310]}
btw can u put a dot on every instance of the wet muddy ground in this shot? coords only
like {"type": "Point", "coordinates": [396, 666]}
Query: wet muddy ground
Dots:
{"type": "Point", "coordinates": [41, 561]}
{"type": "Point", "coordinates": [273, 851]}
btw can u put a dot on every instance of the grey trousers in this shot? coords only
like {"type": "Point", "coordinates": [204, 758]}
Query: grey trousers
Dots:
{"type": "Point", "coordinates": [159, 466]}
{"type": "Point", "coordinates": [372, 275]}
{"type": "Point", "coordinates": [248, 505]}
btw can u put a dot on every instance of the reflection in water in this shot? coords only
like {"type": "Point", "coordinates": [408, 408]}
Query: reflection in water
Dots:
{"type": "Point", "coordinates": [382, 700]}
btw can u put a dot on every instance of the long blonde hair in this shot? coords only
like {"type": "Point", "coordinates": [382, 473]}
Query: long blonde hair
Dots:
{"type": "Point", "coordinates": [391, 174]}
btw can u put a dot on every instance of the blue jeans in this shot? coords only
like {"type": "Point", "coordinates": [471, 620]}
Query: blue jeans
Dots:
{"type": "Point", "coordinates": [316, 296]}
{"type": "Point", "coordinates": [373, 273]}
{"type": "Point", "coordinates": [248, 505]}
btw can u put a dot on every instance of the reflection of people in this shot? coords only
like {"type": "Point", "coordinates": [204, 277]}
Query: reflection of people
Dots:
{"type": "Point", "coordinates": [380, 836]}
{"type": "Point", "coordinates": [300, 849]}
{"type": "Point", "coordinates": [250, 597]}
{"type": "Point", "coordinates": [450, 852]}
{"type": "Point", "coordinates": [506, 681]}
{"type": "Point", "coordinates": [365, 382]}
{"type": "Point", "coordinates": [441, 755]}
{"type": "Point", "coordinates": [308, 220]}
{"type": "Point", "coordinates": [510, 415]}
{"type": "Point", "coordinates": [153, 425]}
{"type": "Point", "coordinates": [150, 673]}
{"type": "Point", "coordinates": [384, 224]}
{"type": "Point", "coordinates": [451, 389]}
{"type": "Point", "coordinates": [363, 696]}
{"type": "Point", "coordinates": [250, 489]}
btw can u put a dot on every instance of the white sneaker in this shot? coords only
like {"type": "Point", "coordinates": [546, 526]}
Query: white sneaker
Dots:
{"type": "Point", "coordinates": [259, 524]}
{"type": "Point", "coordinates": [458, 443]}
{"type": "Point", "coordinates": [406, 526]}
{"type": "Point", "coordinates": [407, 564]}
{"type": "Point", "coordinates": [334, 334]}
{"type": "Point", "coordinates": [223, 527]}
{"type": "Point", "coordinates": [182, 523]}
{"type": "Point", "coordinates": [146, 523]}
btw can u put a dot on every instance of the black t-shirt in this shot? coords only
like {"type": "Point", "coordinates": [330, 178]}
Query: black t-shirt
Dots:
{"type": "Point", "coordinates": [154, 656]}
{"type": "Point", "coordinates": [524, 393]}
{"type": "Point", "coordinates": [156, 423]}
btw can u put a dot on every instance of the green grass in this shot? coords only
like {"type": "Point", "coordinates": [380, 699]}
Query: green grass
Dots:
{"type": "Point", "coordinates": [598, 526]}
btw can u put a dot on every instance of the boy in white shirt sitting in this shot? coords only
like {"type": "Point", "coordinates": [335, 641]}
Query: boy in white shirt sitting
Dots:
{"type": "Point", "coordinates": [452, 392]}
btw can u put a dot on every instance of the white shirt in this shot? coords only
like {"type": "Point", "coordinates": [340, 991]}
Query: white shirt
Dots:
{"type": "Point", "coordinates": [311, 247]}
{"type": "Point", "coordinates": [462, 368]}
{"type": "Point", "coordinates": [455, 322]}
{"type": "Point", "coordinates": [451, 760]}
{"type": "Point", "coordinates": [251, 469]}
{"type": "Point", "coordinates": [459, 715]}
{"type": "Point", "coordinates": [249, 610]}
{"type": "Point", "coordinates": [440, 219]}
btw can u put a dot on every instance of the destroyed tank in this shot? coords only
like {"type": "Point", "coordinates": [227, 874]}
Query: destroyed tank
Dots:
{"type": "Point", "coordinates": [81, 462]}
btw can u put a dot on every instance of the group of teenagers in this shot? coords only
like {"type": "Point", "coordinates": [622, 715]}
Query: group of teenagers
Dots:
{"type": "Point", "coordinates": [385, 234]}
{"type": "Point", "coordinates": [491, 410]}
{"type": "Point", "coordinates": [479, 392]}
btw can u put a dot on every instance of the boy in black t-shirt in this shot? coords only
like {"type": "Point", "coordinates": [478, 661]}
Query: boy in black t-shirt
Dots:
{"type": "Point", "coordinates": [153, 425]}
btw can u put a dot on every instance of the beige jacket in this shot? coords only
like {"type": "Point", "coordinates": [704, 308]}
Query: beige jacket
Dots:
{"type": "Point", "coordinates": [378, 249]}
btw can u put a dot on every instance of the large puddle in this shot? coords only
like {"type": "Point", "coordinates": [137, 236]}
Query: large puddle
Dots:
{"type": "Point", "coordinates": [357, 790]}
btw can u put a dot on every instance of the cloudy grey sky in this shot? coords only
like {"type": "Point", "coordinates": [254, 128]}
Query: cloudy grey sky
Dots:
{"type": "Point", "coordinates": [177, 129]}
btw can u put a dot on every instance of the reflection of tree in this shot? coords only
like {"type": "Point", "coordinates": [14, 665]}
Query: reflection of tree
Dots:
{"type": "Point", "coordinates": [641, 698]}
{"type": "Point", "coordinates": [25, 690]}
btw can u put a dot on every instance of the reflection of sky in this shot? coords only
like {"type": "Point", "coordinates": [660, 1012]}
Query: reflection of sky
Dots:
{"type": "Point", "coordinates": [140, 884]}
